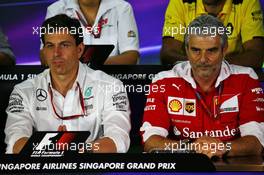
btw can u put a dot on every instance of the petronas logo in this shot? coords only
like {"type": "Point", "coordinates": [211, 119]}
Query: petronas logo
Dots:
{"type": "Point", "coordinates": [88, 92]}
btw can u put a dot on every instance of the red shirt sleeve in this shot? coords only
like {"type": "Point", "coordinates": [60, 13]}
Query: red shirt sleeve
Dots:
{"type": "Point", "coordinates": [155, 111]}
{"type": "Point", "coordinates": [252, 106]}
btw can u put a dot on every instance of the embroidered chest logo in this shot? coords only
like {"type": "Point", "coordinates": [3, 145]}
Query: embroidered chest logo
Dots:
{"type": "Point", "coordinates": [181, 106]}
{"type": "Point", "coordinates": [189, 106]}
{"type": "Point", "coordinates": [41, 94]}
{"type": "Point", "coordinates": [229, 103]}
{"type": "Point", "coordinates": [175, 105]}
{"type": "Point", "coordinates": [88, 92]}
{"type": "Point", "coordinates": [131, 34]}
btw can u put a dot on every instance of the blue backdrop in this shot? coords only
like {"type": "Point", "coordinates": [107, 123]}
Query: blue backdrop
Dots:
{"type": "Point", "coordinates": [17, 17]}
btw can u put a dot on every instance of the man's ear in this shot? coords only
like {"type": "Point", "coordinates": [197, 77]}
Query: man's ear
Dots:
{"type": "Point", "coordinates": [80, 48]}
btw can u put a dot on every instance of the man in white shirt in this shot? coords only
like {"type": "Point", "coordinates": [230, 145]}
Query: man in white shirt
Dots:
{"type": "Point", "coordinates": [106, 22]}
{"type": "Point", "coordinates": [69, 96]}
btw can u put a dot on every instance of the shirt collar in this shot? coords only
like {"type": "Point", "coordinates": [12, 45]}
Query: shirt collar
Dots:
{"type": "Point", "coordinates": [81, 73]}
{"type": "Point", "coordinates": [225, 72]}
{"type": "Point", "coordinates": [183, 70]}
{"type": "Point", "coordinates": [105, 5]}
{"type": "Point", "coordinates": [226, 9]}
{"type": "Point", "coordinates": [72, 5]}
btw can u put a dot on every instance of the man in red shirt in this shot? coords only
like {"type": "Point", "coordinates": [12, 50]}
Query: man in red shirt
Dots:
{"type": "Point", "coordinates": [215, 107]}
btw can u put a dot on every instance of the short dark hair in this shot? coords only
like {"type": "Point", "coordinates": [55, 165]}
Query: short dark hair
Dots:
{"type": "Point", "coordinates": [62, 21]}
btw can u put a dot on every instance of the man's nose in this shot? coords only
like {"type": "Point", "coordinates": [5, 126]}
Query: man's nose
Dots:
{"type": "Point", "coordinates": [57, 51]}
{"type": "Point", "coordinates": [204, 57]}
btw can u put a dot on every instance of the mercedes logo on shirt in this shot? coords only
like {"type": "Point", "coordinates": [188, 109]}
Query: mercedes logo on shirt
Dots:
{"type": "Point", "coordinates": [41, 94]}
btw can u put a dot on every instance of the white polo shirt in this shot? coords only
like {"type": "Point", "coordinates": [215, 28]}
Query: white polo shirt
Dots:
{"type": "Point", "coordinates": [105, 103]}
{"type": "Point", "coordinates": [118, 23]}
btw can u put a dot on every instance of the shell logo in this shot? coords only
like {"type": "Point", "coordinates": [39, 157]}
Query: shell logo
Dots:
{"type": "Point", "coordinates": [175, 105]}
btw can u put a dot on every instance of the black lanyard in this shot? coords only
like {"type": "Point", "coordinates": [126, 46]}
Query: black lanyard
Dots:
{"type": "Point", "coordinates": [72, 116]}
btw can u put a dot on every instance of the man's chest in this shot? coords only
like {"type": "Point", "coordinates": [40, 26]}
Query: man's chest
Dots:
{"type": "Point", "coordinates": [212, 112]}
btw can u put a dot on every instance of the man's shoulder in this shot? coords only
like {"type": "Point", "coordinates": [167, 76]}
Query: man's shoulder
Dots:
{"type": "Point", "coordinates": [30, 84]}
{"type": "Point", "coordinates": [164, 75]}
{"type": "Point", "coordinates": [237, 70]}
{"type": "Point", "coordinates": [177, 72]}
{"type": "Point", "coordinates": [121, 2]}
{"type": "Point", "coordinates": [100, 76]}
{"type": "Point", "coordinates": [244, 4]}
{"type": "Point", "coordinates": [188, 2]}
{"type": "Point", "coordinates": [119, 5]}
{"type": "Point", "coordinates": [58, 5]}
{"type": "Point", "coordinates": [181, 3]}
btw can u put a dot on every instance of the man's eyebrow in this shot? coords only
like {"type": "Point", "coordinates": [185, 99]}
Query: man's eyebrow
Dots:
{"type": "Point", "coordinates": [62, 42]}
{"type": "Point", "coordinates": [67, 42]}
{"type": "Point", "coordinates": [48, 42]}
{"type": "Point", "coordinates": [196, 48]}
{"type": "Point", "coordinates": [213, 48]}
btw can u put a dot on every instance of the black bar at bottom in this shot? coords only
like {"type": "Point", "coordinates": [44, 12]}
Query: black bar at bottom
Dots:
{"type": "Point", "coordinates": [107, 163]}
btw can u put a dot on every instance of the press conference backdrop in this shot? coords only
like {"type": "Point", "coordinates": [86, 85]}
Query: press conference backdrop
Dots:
{"type": "Point", "coordinates": [18, 17]}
